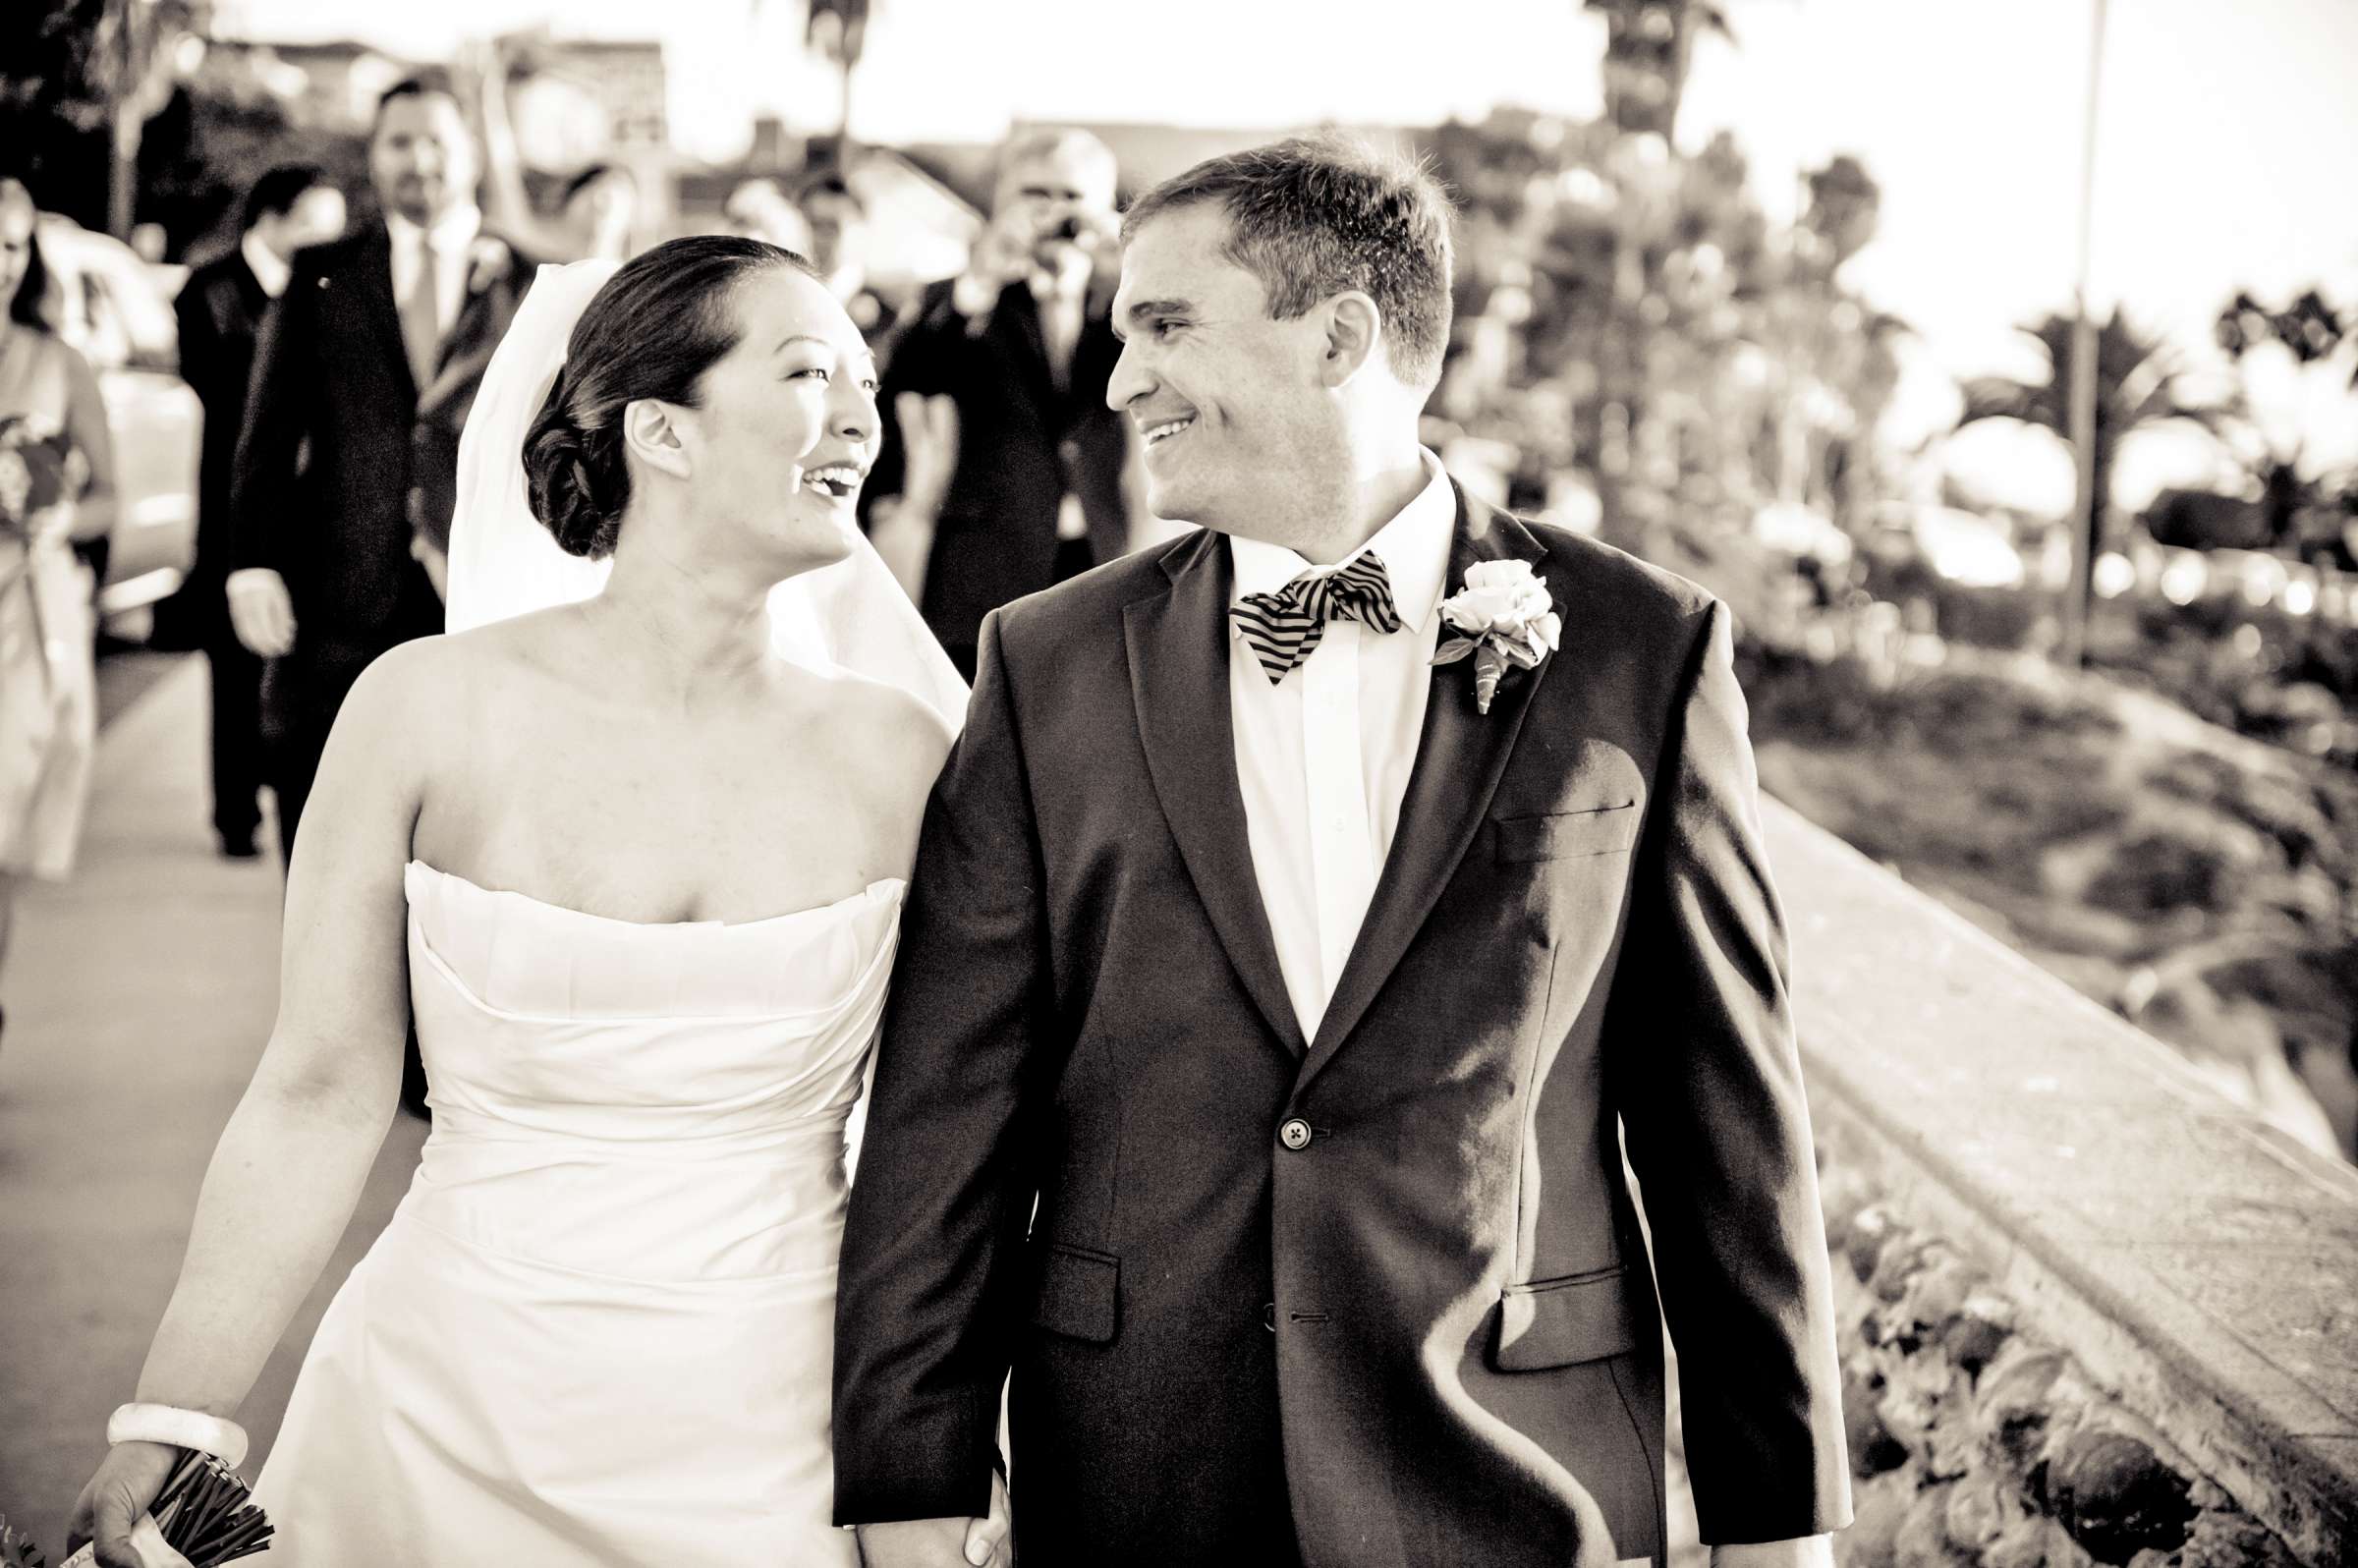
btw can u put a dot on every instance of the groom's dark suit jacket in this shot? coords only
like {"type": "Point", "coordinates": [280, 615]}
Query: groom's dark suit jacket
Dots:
{"type": "Point", "coordinates": [1426, 1335]}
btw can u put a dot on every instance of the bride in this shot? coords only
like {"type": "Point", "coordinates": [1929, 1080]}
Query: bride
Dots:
{"type": "Point", "coordinates": [642, 850]}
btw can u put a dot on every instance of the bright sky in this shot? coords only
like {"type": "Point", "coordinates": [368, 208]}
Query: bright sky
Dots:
{"type": "Point", "coordinates": [2225, 131]}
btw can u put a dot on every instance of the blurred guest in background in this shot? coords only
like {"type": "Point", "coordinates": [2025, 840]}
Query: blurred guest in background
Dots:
{"type": "Point", "coordinates": [220, 310]}
{"type": "Point", "coordinates": [598, 211]}
{"type": "Point", "coordinates": [49, 698]}
{"type": "Point", "coordinates": [1000, 381]}
{"type": "Point", "coordinates": [837, 218]}
{"type": "Point", "coordinates": [374, 331]}
{"type": "Point", "coordinates": [348, 464]}
{"type": "Point", "coordinates": [759, 209]}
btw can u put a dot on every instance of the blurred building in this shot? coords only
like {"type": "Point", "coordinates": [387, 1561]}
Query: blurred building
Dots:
{"type": "Point", "coordinates": [1145, 154]}
{"type": "Point", "coordinates": [333, 85]}
{"type": "Point", "coordinates": [920, 227]}
{"type": "Point", "coordinates": [622, 77]}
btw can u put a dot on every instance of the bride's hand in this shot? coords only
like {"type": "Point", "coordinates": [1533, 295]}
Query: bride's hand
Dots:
{"type": "Point", "coordinates": [111, 1505]}
{"type": "Point", "coordinates": [986, 1542]}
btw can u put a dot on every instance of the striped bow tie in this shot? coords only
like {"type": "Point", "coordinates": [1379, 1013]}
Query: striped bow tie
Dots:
{"type": "Point", "coordinates": [1285, 627]}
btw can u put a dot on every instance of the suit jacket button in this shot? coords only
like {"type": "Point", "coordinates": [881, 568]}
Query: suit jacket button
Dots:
{"type": "Point", "coordinates": [1295, 1133]}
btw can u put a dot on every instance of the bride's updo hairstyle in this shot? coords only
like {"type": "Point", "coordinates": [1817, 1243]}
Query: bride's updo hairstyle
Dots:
{"type": "Point", "coordinates": [652, 332]}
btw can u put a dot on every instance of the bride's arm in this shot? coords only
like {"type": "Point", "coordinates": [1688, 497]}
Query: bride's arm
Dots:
{"type": "Point", "coordinates": [289, 1168]}
{"type": "Point", "coordinates": [290, 1164]}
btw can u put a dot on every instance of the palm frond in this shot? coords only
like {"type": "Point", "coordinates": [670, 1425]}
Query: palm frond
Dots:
{"type": "Point", "coordinates": [1998, 397]}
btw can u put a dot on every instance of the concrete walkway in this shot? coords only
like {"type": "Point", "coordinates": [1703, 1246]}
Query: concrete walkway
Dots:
{"type": "Point", "coordinates": [138, 996]}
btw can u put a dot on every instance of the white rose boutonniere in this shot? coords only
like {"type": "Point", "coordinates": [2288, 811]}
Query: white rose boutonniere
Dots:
{"type": "Point", "coordinates": [489, 260]}
{"type": "Point", "coordinates": [1505, 620]}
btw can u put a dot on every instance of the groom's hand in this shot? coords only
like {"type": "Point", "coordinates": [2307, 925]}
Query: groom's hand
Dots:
{"type": "Point", "coordinates": [944, 1542]}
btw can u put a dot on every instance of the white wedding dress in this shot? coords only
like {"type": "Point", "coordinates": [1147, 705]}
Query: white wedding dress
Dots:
{"type": "Point", "coordinates": [599, 1327]}
{"type": "Point", "coordinates": [600, 1330]}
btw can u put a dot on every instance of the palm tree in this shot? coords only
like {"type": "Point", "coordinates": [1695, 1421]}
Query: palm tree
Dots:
{"type": "Point", "coordinates": [2139, 384]}
{"type": "Point", "coordinates": [838, 29]}
{"type": "Point", "coordinates": [2318, 335]}
{"type": "Point", "coordinates": [75, 69]}
{"type": "Point", "coordinates": [2312, 329]}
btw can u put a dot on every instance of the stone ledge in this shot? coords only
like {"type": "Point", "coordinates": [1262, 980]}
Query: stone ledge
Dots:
{"type": "Point", "coordinates": [2201, 1268]}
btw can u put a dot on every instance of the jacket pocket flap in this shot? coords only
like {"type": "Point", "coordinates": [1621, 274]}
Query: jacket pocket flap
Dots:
{"type": "Point", "coordinates": [1557, 1322]}
{"type": "Point", "coordinates": [1599, 830]}
{"type": "Point", "coordinates": [1079, 1293]}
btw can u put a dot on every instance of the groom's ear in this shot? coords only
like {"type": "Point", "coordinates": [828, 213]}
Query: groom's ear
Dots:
{"type": "Point", "coordinates": [1354, 331]}
{"type": "Point", "coordinates": [650, 433]}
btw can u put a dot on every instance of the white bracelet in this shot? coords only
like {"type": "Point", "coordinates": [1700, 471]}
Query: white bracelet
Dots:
{"type": "Point", "coordinates": [225, 1440]}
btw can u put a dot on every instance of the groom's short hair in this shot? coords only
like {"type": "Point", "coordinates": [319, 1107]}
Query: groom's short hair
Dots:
{"type": "Point", "coordinates": [1313, 216]}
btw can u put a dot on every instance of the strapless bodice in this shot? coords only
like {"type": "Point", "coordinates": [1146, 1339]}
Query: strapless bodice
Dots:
{"type": "Point", "coordinates": [598, 1329]}
{"type": "Point", "coordinates": [650, 1103]}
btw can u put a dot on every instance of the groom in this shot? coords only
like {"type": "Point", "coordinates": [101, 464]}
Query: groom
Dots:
{"type": "Point", "coordinates": [1268, 1016]}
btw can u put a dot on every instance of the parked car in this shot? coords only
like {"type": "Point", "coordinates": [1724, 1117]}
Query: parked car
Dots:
{"type": "Point", "coordinates": [117, 310]}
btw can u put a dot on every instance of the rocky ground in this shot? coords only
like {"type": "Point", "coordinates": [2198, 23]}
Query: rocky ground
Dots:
{"type": "Point", "coordinates": [2202, 883]}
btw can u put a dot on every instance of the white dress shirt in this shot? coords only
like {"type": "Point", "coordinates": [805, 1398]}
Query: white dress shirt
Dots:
{"type": "Point", "coordinates": [1063, 305]}
{"type": "Point", "coordinates": [1323, 756]}
{"type": "Point", "coordinates": [269, 270]}
{"type": "Point", "coordinates": [1062, 302]}
{"type": "Point", "coordinates": [452, 237]}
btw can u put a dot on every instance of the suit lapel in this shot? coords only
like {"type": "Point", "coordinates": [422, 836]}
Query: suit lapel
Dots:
{"type": "Point", "coordinates": [1028, 342]}
{"type": "Point", "coordinates": [1179, 682]}
{"type": "Point", "coordinates": [1096, 353]}
{"type": "Point", "coordinates": [1460, 759]}
{"type": "Point", "coordinates": [251, 300]}
{"type": "Point", "coordinates": [371, 280]}
{"type": "Point", "coordinates": [482, 320]}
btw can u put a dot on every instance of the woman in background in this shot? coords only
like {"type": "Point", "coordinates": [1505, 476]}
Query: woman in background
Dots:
{"type": "Point", "coordinates": [48, 683]}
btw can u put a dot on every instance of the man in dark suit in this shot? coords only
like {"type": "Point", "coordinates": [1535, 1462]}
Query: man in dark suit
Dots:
{"type": "Point", "coordinates": [1008, 364]}
{"type": "Point", "coordinates": [220, 310]}
{"type": "Point", "coordinates": [1280, 978]}
{"type": "Point", "coordinates": [347, 467]}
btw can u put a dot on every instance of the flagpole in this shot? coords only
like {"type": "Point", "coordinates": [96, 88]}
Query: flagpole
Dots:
{"type": "Point", "coordinates": [2088, 507]}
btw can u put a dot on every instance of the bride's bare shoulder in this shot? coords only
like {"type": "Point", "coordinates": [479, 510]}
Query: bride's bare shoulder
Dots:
{"type": "Point", "coordinates": [423, 688]}
{"type": "Point", "coordinates": [536, 641]}
{"type": "Point", "coordinates": [397, 708]}
{"type": "Point", "coordinates": [489, 670]}
{"type": "Point", "coordinates": [891, 731]}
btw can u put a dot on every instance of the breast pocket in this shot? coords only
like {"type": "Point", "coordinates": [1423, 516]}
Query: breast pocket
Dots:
{"type": "Point", "coordinates": [1567, 835]}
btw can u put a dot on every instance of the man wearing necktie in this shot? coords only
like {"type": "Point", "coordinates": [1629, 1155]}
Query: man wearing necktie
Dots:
{"type": "Point", "coordinates": [998, 387]}
{"type": "Point", "coordinates": [1278, 989]}
{"type": "Point", "coordinates": [347, 467]}
{"type": "Point", "coordinates": [348, 460]}
{"type": "Point", "coordinates": [416, 252]}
